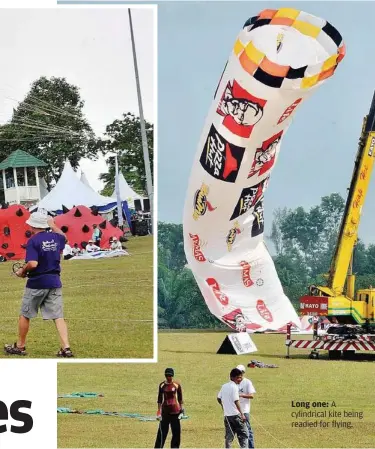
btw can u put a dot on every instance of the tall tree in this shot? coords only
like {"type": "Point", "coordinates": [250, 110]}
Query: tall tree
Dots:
{"type": "Point", "coordinates": [309, 237]}
{"type": "Point", "coordinates": [49, 124]}
{"type": "Point", "coordinates": [124, 138]}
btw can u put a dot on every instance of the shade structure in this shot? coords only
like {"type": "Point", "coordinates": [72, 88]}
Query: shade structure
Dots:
{"type": "Point", "coordinates": [126, 192]}
{"type": "Point", "coordinates": [70, 191]}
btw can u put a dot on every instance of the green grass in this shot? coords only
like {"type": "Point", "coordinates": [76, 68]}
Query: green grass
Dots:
{"type": "Point", "coordinates": [133, 388]}
{"type": "Point", "coordinates": [108, 305]}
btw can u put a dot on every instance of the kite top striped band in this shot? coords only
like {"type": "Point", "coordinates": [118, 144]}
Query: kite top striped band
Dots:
{"type": "Point", "coordinates": [275, 75]}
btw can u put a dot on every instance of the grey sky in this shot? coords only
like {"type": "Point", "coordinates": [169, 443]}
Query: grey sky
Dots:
{"type": "Point", "coordinates": [317, 154]}
{"type": "Point", "coordinates": [92, 49]}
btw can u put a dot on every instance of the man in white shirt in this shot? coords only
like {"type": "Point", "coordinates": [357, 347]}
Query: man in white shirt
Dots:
{"type": "Point", "coordinates": [76, 250]}
{"type": "Point", "coordinates": [115, 245]}
{"type": "Point", "coordinates": [234, 419]}
{"type": "Point", "coordinates": [90, 247]}
{"type": "Point", "coordinates": [246, 393]}
{"type": "Point", "coordinates": [67, 252]}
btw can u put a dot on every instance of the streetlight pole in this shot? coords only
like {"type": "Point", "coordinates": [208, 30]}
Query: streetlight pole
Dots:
{"type": "Point", "coordinates": [146, 158]}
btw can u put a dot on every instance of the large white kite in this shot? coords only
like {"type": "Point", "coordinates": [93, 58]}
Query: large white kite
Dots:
{"type": "Point", "coordinates": [279, 59]}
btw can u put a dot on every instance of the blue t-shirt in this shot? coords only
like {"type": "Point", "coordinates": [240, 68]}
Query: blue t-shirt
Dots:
{"type": "Point", "coordinates": [45, 248]}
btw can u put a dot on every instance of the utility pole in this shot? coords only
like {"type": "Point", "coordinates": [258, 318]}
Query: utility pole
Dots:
{"type": "Point", "coordinates": [146, 158]}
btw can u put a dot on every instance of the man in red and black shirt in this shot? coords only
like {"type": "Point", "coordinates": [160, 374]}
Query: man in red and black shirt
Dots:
{"type": "Point", "coordinates": [170, 409]}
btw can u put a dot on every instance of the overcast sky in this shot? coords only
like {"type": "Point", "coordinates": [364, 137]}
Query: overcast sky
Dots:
{"type": "Point", "coordinates": [92, 49]}
{"type": "Point", "coordinates": [318, 151]}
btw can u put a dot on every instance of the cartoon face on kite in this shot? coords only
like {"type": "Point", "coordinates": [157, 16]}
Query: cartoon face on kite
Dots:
{"type": "Point", "coordinates": [265, 156]}
{"type": "Point", "coordinates": [235, 320]}
{"type": "Point", "coordinates": [241, 110]}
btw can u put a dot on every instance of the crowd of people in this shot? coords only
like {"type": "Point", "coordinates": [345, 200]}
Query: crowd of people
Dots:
{"type": "Point", "coordinates": [93, 245]}
{"type": "Point", "coordinates": [234, 398]}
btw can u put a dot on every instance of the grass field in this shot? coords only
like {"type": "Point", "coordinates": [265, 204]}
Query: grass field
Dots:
{"type": "Point", "coordinates": [133, 388]}
{"type": "Point", "coordinates": [108, 305]}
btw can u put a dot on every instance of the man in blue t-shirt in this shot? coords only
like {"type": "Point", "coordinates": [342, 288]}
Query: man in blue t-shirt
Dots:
{"type": "Point", "coordinates": [43, 288]}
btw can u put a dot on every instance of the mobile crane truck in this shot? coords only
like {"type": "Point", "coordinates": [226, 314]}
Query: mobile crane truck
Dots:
{"type": "Point", "coordinates": [350, 314]}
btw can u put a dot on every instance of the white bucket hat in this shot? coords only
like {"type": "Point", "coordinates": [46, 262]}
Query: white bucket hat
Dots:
{"type": "Point", "coordinates": [241, 368]}
{"type": "Point", "coordinates": [38, 220]}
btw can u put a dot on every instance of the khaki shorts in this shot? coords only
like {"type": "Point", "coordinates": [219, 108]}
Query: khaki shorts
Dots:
{"type": "Point", "coordinates": [49, 301]}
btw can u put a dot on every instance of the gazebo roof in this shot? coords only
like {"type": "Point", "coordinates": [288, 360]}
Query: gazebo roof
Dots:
{"type": "Point", "coordinates": [20, 159]}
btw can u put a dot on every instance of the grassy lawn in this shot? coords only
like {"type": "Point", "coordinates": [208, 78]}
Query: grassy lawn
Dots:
{"type": "Point", "coordinates": [108, 306]}
{"type": "Point", "coordinates": [133, 388]}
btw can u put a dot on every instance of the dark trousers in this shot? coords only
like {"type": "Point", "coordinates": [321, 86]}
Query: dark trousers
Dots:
{"type": "Point", "coordinates": [234, 426]}
{"type": "Point", "coordinates": [175, 424]}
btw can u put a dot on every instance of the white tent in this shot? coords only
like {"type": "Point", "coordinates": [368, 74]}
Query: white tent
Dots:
{"type": "Point", "coordinates": [85, 181]}
{"type": "Point", "coordinates": [126, 192]}
{"type": "Point", "coordinates": [43, 188]}
{"type": "Point", "coordinates": [71, 191]}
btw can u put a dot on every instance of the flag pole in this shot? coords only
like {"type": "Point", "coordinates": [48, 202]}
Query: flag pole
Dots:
{"type": "Point", "coordinates": [146, 158]}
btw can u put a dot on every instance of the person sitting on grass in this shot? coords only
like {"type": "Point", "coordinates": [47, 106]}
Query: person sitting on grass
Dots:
{"type": "Point", "coordinates": [76, 250]}
{"type": "Point", "coordinates": [43, 288]}
{"type": "Point", "coordinates": [67, 252]}
{"type": "Point", "coordinates": [115, 245]}
{"type": "Point", "coordinates": [91, 247]}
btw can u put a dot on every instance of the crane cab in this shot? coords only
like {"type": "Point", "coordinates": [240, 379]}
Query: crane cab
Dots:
{"type": "Point", "coordinates": [364, 304]}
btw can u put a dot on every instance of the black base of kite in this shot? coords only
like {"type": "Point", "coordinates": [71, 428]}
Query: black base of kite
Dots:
{"type": "Point", "coordinates": [237, 343]}
{"type": "Point", "coordinates": [226, 347]}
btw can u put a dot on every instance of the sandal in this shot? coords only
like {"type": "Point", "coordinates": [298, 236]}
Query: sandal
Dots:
{"type": "Point", "coordinates": [65, 353]}
{"type": "Point", "coordinates": [15, 350]}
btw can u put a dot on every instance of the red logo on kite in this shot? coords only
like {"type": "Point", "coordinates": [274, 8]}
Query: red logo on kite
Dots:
{"type": "Point", "coordinates": [246, 279]}
{"type": "Point", "coordinates": [221, 297]}
{"type": "Point", "coordinates": [289, 110]}
{"type": "Point", "coordinates": [241, 110]}
{"type": "Point", "coordinates": [198, 255]}
{"type": "Point", "coordinates": [264, 311]}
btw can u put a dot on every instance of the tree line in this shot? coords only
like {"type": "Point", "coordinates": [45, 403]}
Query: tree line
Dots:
{"type": "Point", "coordinates": [303, 243]}
{"type": "Point", "coordinates": [49, 123]}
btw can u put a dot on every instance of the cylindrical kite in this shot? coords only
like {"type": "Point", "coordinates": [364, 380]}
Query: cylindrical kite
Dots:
{"type": "Point", "coordinates": [279, 59]}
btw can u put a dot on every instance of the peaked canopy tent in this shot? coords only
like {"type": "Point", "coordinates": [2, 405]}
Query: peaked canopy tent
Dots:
{"type": "Point", "coordinates": [85, 181]}
{"type": "Point", "coordinates": [127, 193]}
{"type": "Point", "coordinates": [70, 191]}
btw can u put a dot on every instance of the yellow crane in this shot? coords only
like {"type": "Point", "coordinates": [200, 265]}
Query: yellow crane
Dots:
{"type": "Point", "coordinates": [338, 300]}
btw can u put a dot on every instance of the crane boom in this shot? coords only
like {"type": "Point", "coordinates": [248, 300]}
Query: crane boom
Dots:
{"type": "Point", "coordinates": [357, 193]}
{"type": "Point", "coordinates": [346, 306]}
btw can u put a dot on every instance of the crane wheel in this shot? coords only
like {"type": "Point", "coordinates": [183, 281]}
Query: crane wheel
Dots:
{"type": "Point", "coordinates": [348, 355]}
{"type": "Point", "coordinates": [334, 355]}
